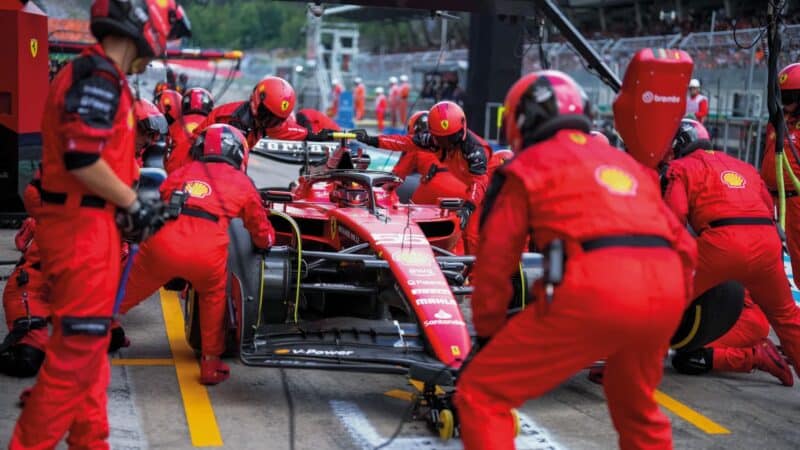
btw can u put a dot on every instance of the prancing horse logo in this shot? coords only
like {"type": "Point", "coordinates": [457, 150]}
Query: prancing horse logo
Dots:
{"type": "Point", "coordinates": [34, 47]}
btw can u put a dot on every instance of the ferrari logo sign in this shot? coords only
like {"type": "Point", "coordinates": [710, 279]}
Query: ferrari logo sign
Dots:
{"type": "Point", "coordinates": [616, 180]}
{"type": "Point", "coordinates": [445, 124]}
{"type": "Point", "coordinates": [197, 189]}
{"type": "Point", "coordinates": [284, 105]}
{"type": "Point", "coordinates": [783, 78]}
{"type": "Point", "coordinates": [455, 350]}
{"type": "Point", "coordinates": [733, 179]}
{"type": "Point", "coordinates": [34, 47]}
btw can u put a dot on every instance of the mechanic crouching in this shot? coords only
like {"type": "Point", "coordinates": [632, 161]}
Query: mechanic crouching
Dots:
{"type": "Point", "coordinates": [620, 294]}
{"type": "Point", "coordinates": [195, 245]}
{"type": "Point", "coordinates": [196, 104]}
{"type": "Point", "coordinates": [728, 205]}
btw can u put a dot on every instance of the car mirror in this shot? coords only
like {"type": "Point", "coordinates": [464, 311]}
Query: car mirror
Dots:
{"type": "Point", "coordinates": [451, 204]}
{"type": "Point", "coordinates": [276, 196]}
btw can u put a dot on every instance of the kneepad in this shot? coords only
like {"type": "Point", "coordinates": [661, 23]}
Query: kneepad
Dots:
{"type": "Point", "coordinates": [696, 362]}
{"type": "Point", "coordinates": [709, 317]}
{"type": "Point", "coordinates": [21, 361]}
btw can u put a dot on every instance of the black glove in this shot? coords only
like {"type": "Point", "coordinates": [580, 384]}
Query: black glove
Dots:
{"type": "Point", "coordinates": [363, 136]}
{"type": "Point", "coordinates": [141, 219]}
{"type": "Point", "coordinates": [465, 213]}
{"type": "Point", "coordinates": [321, 136]}
{"type": "Point", "coordinates": [423, 140]}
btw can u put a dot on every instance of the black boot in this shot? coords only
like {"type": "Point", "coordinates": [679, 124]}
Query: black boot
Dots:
{"type": "Point", "coordinates": [21, 361]}
{"type": "Point", "coordinates": [118, 340]}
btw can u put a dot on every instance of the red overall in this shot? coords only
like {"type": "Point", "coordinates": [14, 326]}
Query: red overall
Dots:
{"type": "Point", "coordinates": [402, 102]}
{"type": "Point", "coordinates": [414, 158]}
{"type": "Point", "coordinates": [318, 120]}
{"type": "Point", "coordinates": [709, 189]}
{"type": "Point", "coordinates": [238, 114]}
{"type": "Point", "coordinates": [336, 92]}
{"type": "Point", "coordinates": [733, 351]}
{"type": "Point", "coordinates": [394, 103]}
{"type": "Point", "coordinates": [380, 110]}
{"type": "Point", "coordinates": [360, 100]}
{"type": "Point", "coordinates": [792, 199]}
{"type": "Point", "coordinates": [615, 301]}
{"type": "Point", "coordinates": [88, 115]}
{"type": "Point", "coordinates": [28, 299]}
{"type": "Point", "coordinates": [181, 131]}
{"type": "Point", "coordinates": [196, 248]}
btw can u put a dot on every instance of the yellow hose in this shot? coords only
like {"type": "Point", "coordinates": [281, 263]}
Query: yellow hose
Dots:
{"type": "Point", "coordinates": [781, 190]}
{"type": "Point", "coordinates": [522, 284]}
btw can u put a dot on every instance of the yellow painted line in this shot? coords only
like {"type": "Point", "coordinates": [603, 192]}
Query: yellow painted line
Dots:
{"type": "Point", "coordinates": [200, 418]}
{"type": "Point", "coordinates": [400, 394]}
{"type": "Point", "coordinates": [688, 414]}
{"type": "Point", "coordinates": [142, 362]}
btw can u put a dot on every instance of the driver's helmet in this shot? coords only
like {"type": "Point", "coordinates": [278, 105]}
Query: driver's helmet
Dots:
{"type": "Point", "coordinates": [348, 195]}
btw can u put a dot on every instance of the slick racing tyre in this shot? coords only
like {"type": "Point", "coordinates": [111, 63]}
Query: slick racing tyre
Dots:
{"type": "Point", "coordinates": [709, 317]}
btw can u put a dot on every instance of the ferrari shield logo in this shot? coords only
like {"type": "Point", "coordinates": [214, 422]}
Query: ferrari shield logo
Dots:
{"type": "Point", "coordinates": [577, 138]}
{"type": "Point", "coordinates": [34, 47]}
{"type": "Point", "coordinates": [333, 228]}
{"type": "Point", "coordinates": [783, 78]}
{"type": "Point", "coordinates": [445, 124]}
{"type": "Point", "coordinates": [284, 105]}
{"type": "Point", "coordinates": [733, 179]}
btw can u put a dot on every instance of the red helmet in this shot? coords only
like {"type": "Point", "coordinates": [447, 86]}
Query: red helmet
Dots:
{"type": "Point", "coordinates": [789, 83]}
{"type": "Point", "coordinates": [537, 98]}
{"type": "Point", "coordinates": [197, 101]}
{"type": "Point", "coordinates": [418, 122]}
{"type": "Point", "coordinates": [691, 136]}
{"type": "Point", "coordinates": [447, 124]}
{"type": "Point", "coordinates": [272, 101]}
{"type": "Point", "coordinates": [221, 143]}
{"type": "Point", "coordinates": [169, 103]}
{"type": "Point", "coordinates": [147, 22]}
{"type": "Point", "coordinates": [149, 121]}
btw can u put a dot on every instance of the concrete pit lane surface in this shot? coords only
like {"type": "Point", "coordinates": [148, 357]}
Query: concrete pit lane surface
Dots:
{"type": "Point", "coordinates": [156, 402]}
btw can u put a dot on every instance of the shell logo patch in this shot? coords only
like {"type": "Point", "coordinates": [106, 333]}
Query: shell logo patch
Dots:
{"type": "Point", "coordinates": [197, 189]}
{"type": "Point", "coordinates": [284, 105]}
{"type": "Point", "coordinates": [616, 180]}
{"type": "Point", "coordinates": [167, 101]}
{"type": "Point", "coordinates": [261, 89]}
{"type": "Point", "coordinates": [577, 138]}
{"type": "Point", "coordinates": [444, 124]}
{"type": "Point", "coordinates": [191, 126]}
{"type": "Point", "coordinates": [783, 78]}
{"type": "Point", "coordinates": [733, 179]}
{"type": "Point", "coordinates": [34, 47]}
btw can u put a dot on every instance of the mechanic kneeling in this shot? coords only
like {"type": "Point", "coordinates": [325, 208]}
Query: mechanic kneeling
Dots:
{"type": "Point", "coordinates": [728, 204]}
{"type": "Point", "coordinates": [625, 285]}
{"type": "Point", "coordinates": [195, 246]}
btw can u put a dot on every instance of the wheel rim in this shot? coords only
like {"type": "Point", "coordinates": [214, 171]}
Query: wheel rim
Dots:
{"type": "Point", "coordinates": [517, 424]}
{"type": "Point", "coordinates": [446, 424]}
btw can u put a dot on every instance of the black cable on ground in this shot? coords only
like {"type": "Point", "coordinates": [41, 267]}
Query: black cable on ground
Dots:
{"type": "Point", "coordinates": [290, 403]}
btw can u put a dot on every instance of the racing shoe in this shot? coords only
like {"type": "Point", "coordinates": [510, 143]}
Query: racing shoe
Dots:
{"type": "Point", "coordinates": [118, 338]}
{"type": "Point", "coordinates": [213, 370]}
{"type": "Point", "coordinates": [769, 359]}
{"type": "Point", "coordinates": [21, 361]}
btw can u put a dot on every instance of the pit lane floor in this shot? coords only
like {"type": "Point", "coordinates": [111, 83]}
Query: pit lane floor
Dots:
{"type": "Point", "coordinates": [156, 402]}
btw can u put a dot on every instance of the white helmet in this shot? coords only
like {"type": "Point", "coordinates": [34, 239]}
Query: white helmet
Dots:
{"type": "Point", "coordinates": [403, 78]}
{"type": "Point", "coordinates": [357, 80]}
{"type": "Point", "coordinates": [334, 82]}
{"type": "Point", "coordinates": [393, 80]}
{"type": "Point", "coordinates": [379, 90]}
{"type": "Point", "coordinates": [695, 83]}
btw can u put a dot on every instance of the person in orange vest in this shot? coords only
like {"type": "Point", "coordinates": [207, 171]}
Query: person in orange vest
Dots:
{"type": "Point", "coordinates": [380, 107]}
{"type": "Point", "coordinates": [336, 92]}
{"type": "Point", "coordinates": [394, 96]}
{"type": "Point", "coordinates": [404, 90]}
{"type": "Point", "coordinates": [359, 97]}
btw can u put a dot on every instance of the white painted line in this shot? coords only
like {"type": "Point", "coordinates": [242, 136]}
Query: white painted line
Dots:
{"type": "Point", "coordinates": [366, 437]}
{"type": "Point", "coordinates": [123, 416]}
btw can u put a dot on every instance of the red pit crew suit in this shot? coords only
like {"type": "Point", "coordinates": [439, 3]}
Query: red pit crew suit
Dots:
{"type": "Point", "coordinates": [88, 115]}
{"type": "Point", "coordinates": [402, 102]}
{"type": "Point", "coordinates": [697, 105]}
{"type": "Point", "coordinates": [238, 114]}
{"type": "Point", "coordinates": [414, 158]}
{"type": "Point", "coordinates": [195, 246]}
{"type": "Point", "coordinates": [181, 131]}
{"type": "Point", "coordinates": [792, 198]}
{"type": "Point", "coordinates": [316, 120]}
{"type": "Point", "coordinates": [336, 92]}
{"type": "Point", "coordinates": [729, 206]}
{"type": "Point", "coordinates": [394, 103]}
{"type": "Point", "coordinates": [616, 300]}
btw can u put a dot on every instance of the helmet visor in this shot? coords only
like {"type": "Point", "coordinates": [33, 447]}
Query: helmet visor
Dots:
{"type": "Point", "coordinates": [449, 141]}
{"type": "Point", "coordinates": [266, 119]}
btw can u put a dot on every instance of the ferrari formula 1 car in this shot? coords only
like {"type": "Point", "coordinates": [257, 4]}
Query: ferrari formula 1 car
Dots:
{"type": "Point", "coordinates": [356, 281]}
